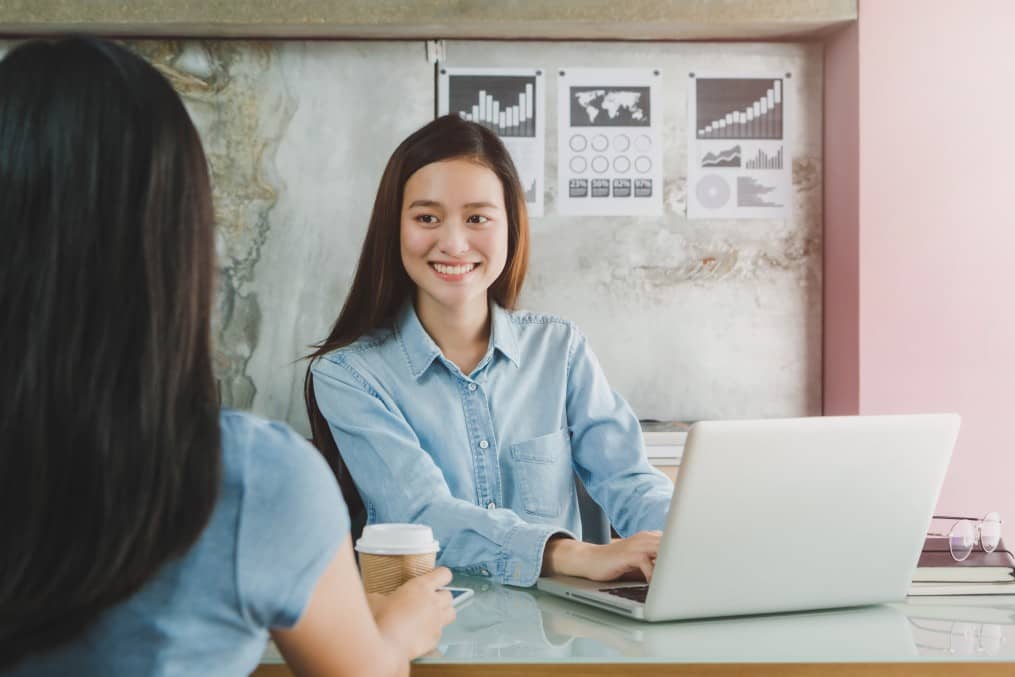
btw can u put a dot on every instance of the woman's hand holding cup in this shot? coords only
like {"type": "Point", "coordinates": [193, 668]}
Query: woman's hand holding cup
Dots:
{"type": "Point", "coordinates": [416, 612]}
{"type": "Point", "coordinates": [402, 585]}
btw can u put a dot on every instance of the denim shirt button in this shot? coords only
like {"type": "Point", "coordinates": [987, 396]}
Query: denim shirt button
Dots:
{"type": "Point", "coordinates": [472, 387]}
{"type": "Point", "coordinates": [483, 444]}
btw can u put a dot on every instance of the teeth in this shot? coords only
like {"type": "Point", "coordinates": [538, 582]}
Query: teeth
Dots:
{"type": "Point", "coordinates": [453, 270]}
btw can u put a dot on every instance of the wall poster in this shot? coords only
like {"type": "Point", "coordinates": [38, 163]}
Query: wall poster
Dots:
{"type": "Point", "coordinates": [738, 163]}
{"type": "Point", "coordinates": [609, 132]}
{"type": "Point", "coordinates": [511, 102]}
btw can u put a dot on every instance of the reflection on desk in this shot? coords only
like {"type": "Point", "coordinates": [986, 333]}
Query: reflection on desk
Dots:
{"type": "Point", "coordinates": [508, 623]}
{"type": "Point", "coordinates": [504, 624]}
{"type": "Point", "coordinates": [525, 627]}
{"type": "Point", "coordinates": [962, 626]}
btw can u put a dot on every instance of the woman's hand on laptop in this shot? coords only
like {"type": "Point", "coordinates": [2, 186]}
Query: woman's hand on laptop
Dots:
{"type": "Point", "coordinates": [632, 557]}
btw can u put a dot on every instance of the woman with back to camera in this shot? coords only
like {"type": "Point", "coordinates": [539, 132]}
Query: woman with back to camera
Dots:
{"type": "Point", "coordinates": [450, 408]}
{"type": "Point", "coordinates": [142, 530]}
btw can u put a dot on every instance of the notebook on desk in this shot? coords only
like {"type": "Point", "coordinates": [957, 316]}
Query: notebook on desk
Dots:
{"type": "Point", "coordinates": [789, 514]}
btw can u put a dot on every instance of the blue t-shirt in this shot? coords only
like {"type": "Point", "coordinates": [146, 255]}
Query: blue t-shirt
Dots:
{"type": "Point", "coordinates": [278, 522]}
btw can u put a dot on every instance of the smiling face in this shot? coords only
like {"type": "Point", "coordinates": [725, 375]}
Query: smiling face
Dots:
{"type": "Point", "coordinates": [454, 233]}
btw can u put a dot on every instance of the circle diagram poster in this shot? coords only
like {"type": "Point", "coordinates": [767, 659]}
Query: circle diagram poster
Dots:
{"type": "Point", "coordinates": [609, 124]}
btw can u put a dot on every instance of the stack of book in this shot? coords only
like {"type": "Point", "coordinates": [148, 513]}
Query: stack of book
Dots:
{"type": "Point", "coordinates": [982, 573]}
{"type": "Point", "coordinates": [664, 444]}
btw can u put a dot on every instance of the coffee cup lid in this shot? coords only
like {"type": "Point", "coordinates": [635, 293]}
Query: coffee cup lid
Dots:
{"type": "Point", "coordinates": [397, 539]}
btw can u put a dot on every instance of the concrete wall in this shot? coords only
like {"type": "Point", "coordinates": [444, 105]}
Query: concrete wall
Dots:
{"type": "Point", "coordinates": [416, 19]}
{"type": "Point", "coordinates": [691, 319]}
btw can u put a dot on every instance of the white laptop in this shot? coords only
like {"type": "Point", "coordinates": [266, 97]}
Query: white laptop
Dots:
{"type": "Point", "coordinates": [789, 514]}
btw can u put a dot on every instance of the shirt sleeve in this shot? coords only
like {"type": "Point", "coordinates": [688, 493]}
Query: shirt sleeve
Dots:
{"type": "Point", "coordinates": [608, 448]}
{"type": "Point", "coordinates": [400, 482]}
{"type": "Point", "coordinates": [292, 521]}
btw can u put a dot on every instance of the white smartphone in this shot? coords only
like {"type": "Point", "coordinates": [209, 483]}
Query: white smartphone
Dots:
{"type": "Point", "coordinates": [459, 596]}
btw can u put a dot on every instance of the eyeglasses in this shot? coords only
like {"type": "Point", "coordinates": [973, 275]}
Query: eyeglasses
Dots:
{"type": "Point", "coordinates": [966, 531]}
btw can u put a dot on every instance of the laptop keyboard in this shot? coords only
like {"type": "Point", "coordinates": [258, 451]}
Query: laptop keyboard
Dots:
{"type": "Point", "coordinates": [635, 593]}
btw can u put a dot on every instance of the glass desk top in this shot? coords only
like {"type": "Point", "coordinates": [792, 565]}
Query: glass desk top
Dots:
{"type": "Point", "coordinates": [502, 624]}
{"type": "Point", "coordinates": [505, 624]}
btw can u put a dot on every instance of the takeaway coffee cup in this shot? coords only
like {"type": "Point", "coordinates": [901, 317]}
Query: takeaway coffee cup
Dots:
{"type": "Point", "coordinates": [391, 554]}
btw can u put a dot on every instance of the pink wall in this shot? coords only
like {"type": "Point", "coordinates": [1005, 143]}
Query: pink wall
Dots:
{"type": "Point", "coordinates": [935, 231]}
{"type": "Point", "coordinates": [842, 286]}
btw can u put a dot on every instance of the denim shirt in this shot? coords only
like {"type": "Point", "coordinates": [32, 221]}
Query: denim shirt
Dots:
{"type": "Point", "coordinates": [488, 459]}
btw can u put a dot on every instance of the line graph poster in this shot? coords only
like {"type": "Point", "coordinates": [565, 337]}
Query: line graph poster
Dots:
{"type": "Point", "coordinates": [738, 163]}
{"type": "Point", "coordinates": [510, 102]}
{"type": "Point", "coordinates": [609, 141]}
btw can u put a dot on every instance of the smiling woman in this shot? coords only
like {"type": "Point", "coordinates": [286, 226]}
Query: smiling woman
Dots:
{"type": "Point", "coordinates": [454, 410]}
{"type": "Point", "coordinates": [454, 234]}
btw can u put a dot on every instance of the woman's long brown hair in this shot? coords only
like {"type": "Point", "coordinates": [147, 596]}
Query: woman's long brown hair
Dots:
{"type": "Point", "coordinates": [381, 286]}
{"type": "Point", "coordinates": [109, 424]}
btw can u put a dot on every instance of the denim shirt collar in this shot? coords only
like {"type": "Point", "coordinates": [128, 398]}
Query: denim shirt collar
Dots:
{"type": "Point", "coordinates": [421, 351]}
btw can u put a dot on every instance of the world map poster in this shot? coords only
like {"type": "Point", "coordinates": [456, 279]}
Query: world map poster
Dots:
{"type": "Point", "coordinates": [609, 124]}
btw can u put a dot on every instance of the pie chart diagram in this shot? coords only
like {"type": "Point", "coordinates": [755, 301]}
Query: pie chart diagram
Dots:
{"type": "Point", "coordinates": [713, 192]}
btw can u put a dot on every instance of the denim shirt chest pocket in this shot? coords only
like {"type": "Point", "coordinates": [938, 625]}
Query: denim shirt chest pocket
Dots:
{"type": "Point", "coordinates": [543, 473]}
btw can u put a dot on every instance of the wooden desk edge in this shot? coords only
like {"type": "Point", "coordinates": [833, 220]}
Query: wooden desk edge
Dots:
{"type": "Point", "coordinates": [921, 669]}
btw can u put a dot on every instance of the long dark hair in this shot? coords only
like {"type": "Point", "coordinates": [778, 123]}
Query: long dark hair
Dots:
{"type": "Point", "coordinates": [109, 438]}
{"type": "Point", "coordinates": [381, 285]}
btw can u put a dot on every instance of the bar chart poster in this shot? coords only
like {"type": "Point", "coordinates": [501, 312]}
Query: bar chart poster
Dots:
{"type": "Point", "coordinates": [510, 102]}
{"type": "Point", "coordinates": [609, 148]}
{"type": "Point", "coordinates": [738, 165]}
